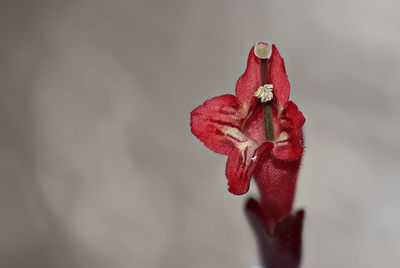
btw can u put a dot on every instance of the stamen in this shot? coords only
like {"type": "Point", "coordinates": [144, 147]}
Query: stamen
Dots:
{"type": "Point", "coordinates": [263, 51]}
{"type": "Point", "coordinates": [268, 123]}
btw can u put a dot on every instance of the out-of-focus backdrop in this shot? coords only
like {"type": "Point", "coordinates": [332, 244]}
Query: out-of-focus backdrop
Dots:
{"type": "Point", "coordinates": [98, 167]}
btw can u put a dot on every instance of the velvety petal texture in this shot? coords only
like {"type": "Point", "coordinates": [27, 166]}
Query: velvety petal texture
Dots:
{"type": "Point", "coordinates": [289, 145]}
{"type": "Point", "coordinates": [240, 166]}
{"type": "Point", "coordinates": [249, 82]}
{"type": "Point", "coordinates": [276, 180]}
{"type": "Point", "coordinates": [279, 79]}
{"type": "Point", "coordinates": [217, 123]}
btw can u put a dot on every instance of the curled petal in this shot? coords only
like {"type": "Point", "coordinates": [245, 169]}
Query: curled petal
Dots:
{"type": "Point", "coordinates": [292, 117]}
{"type": "Point", "coordinates": [279, 79]}
{"type": "Point", "coordinates": [240, 165]}
{"type": "Point", "coordinates": [290, 143]}
{"type": "Point", "coordinates": [249, 82]}
{"type": "Point", "coordinates": [290, 148]}
{"type": "Point", "coordinates": [212, 122]}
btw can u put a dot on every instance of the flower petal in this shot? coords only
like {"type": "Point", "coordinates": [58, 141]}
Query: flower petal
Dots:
{"type": "Point", "coordinates": [249, 82]}
{"type": "Point", "coordinates": [214, 122]}
{"type": "Point", "coordinates": [240, 166]}
{"type": "Point", "coordinates": [290, 143]}
{"type": "Point", "coordinates": [292, 117]}
{"type": "Point", "coordinates": [279, 79]}
{"type": "Point", "coordinates": [289, 149]}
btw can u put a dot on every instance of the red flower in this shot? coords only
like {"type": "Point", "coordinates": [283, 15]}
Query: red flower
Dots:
{"type": "Point", "coordinates": [235, 126]}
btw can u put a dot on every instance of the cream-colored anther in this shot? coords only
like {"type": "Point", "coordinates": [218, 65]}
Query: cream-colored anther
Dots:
{"type": "Point", "coordinates": [283, 136]}
{"type": "Point", "coordinates": [265, 92]}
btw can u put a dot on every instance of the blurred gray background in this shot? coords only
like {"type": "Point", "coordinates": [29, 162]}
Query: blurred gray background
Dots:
{"type": "Point", "coordinates": [98, 167]}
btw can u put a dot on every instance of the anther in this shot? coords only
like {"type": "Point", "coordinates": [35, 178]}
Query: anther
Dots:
{"type": "Point", "coordinates": [265, 93]}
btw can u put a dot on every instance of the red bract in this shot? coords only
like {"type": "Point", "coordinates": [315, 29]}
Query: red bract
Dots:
{"type": "Point", "coordinates": [234, 126]}
{"type": "Point", "coordinates": [282, 249]}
